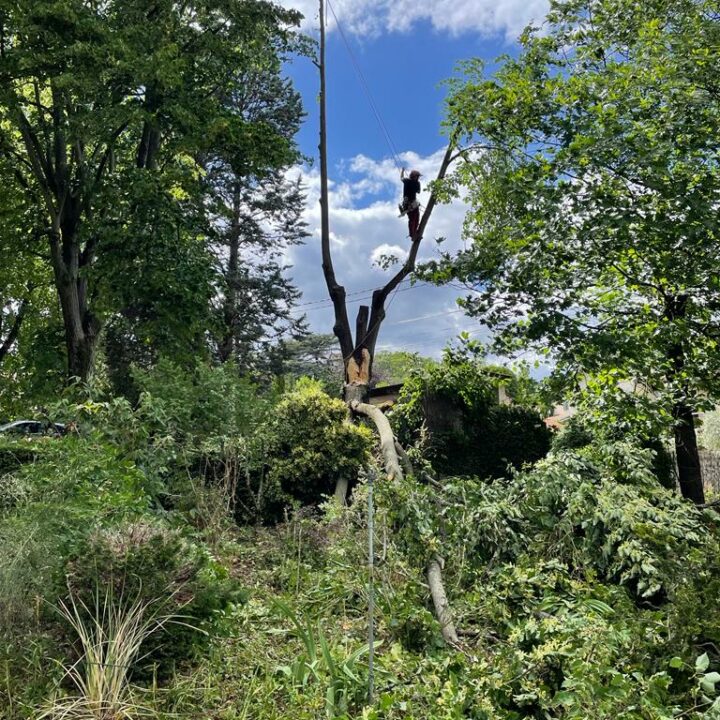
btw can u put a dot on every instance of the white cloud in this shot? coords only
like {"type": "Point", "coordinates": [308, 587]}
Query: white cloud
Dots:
{"type": "Point", "coordinates": [372, 17]}
{"type": "Point", "coordinates": [381, 252]}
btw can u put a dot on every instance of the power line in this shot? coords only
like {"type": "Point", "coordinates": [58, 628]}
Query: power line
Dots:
{"type": "Point", "coordinates": [427, 317]}
{"type": "Point", "coordinates": [353, 296]}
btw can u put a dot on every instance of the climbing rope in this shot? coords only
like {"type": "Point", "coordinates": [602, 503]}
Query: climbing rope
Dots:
{"type": "Point", "coordinates": [366, 89]}
{"type": "Point", "coordinates": [371, 587]}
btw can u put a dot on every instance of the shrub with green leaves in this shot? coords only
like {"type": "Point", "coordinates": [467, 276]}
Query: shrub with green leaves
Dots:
{"type": "Point", "coordinates": [148, 562]}
{"type": "Point", "coordinates": [586, 584]}
{"type": "Point", "coordinates": [310, 445]}
{"type": "Point", "coordinates": [80, 517]}
{"type": "Point", "coordinates": [452, 408]}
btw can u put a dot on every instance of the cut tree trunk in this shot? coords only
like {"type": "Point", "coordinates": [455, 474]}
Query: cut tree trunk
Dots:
{"type": "Point", "coordinates": [688, 458]}
{"type": "Point", "coordinates": [387, 439]}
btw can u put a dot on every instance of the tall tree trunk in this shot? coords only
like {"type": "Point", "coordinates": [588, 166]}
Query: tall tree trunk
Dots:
{"type": "Point", "coordinates": [228, 345]}
{"type": "Point", "coordinates": [688, 458]}
{"type": "Point", "coordinates": [686, 449]}
{"type": "Point", "coordinates": [81, 326]}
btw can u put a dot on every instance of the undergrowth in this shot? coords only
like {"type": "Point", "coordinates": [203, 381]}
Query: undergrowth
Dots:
{"type": "Point", "coordinates": [582, 589]}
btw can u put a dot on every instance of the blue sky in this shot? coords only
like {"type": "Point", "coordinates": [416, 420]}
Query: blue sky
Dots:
{"type": "Point", "coordinates": [405, 51]}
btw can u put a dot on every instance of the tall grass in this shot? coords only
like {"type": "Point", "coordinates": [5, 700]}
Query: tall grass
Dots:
{"type": "Point", "coordinates": [110, 637]}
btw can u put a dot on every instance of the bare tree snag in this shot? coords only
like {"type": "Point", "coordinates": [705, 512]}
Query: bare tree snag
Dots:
{"type": "Point", "coordinates": [379, 297]}
{"type": "Point", "coordinates": [358, 356]}
{"type": "Point", "coordinates": [370, 319]}
{"type": "Point", "coordinates": [336, 291]}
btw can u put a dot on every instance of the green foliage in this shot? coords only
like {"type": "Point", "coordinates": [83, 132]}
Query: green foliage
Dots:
{"type": "Point", "coordinates": [199, 403]}
{"type": "Point", "coordinates": [345, 678]}
{"type": "Point", "coordinates": [314, 356]}
{"type": "Point", "coordinates": [593, 229]}
{"type": "Point", "coordinates": [136, 104]}
{"type": "Point", "coordinates": [545, 576]}
{"type": "Point", "coordinates": [576, 576]}
{"type": "Point", "coordinates": [468, 433]}
{"type": "Point", "coordinates": [311, 444]}
{"type": "Point", "coordinates": [584, 429]}
{"type": "Point", "coordinates": [79, 515]}
{"type": "Point", "coordinates": [152, 564]}
{"type": "Point", "coordinates": [397, 366]}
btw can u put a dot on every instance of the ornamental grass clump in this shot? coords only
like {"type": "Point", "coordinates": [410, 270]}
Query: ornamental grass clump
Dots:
{"type": "Point", "coordinates": [110, 637]}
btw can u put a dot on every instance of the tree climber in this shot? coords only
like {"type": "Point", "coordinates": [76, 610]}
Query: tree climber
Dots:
{"type": "Point", "coordinates": [410, 204]}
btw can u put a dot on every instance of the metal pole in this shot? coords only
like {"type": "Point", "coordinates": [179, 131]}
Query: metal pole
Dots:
{"type": "Point", "coordinates": [371, 589]}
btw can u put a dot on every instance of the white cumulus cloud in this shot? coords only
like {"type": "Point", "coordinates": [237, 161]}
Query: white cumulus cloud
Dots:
{"type": "Point", "coordinates": [373, 17]}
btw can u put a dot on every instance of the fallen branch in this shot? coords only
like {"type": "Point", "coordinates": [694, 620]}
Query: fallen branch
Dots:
{"type": "Point", "coordinates": [387, 439]}
{"type": "Point", "coordinates": [392, 451]}
{"type": "Point", "coordinates": [440, 601]}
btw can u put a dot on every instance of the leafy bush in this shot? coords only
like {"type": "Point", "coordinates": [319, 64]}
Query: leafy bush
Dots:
{"type": "Point", "coordinates": [308, 445]}
{"type": "Point", "coordinates": [204, 402]}
{"type": "Point", "coordinates": [145, 562]}
{"type": "Point", "coordinates": [468, 433]}
{"type": "Point", "coordinates": [15, 452]}
{"type": "Point", "coordinates": [581, 431]}
{"type": "Point", "coordinates": [585, 581]}
{"type": "Point", "coordinates": [84, 517]}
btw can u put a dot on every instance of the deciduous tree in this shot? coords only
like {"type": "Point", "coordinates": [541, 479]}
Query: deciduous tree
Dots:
{"type": "Point", "coordinates": [595, 186]}
{"type": "Point", "coordinates": [104, 108]}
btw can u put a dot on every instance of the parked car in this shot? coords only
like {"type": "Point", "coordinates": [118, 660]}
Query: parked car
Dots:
{"type": "Point", "coordinates": [32, 427]}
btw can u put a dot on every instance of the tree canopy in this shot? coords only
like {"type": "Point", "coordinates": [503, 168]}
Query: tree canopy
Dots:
{"type": "Point", "coordinates": [593, 175]}
{"type": "Point", "coordinates": [107, 111]}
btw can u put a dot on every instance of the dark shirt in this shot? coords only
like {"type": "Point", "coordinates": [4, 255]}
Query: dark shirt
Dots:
{"type": "Point", "coordinates": [411, 188]}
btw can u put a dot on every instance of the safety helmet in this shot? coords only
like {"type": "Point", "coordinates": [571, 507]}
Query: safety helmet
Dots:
{"type": "Point", "coordinates": [415, 174]}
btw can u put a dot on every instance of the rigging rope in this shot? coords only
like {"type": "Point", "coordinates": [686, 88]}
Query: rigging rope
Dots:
{"type": "Point", "coordinates": [366, 89]}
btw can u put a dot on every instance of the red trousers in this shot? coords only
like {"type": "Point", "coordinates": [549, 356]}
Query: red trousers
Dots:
{"type": "Point", "coordinates": [413, 222]}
